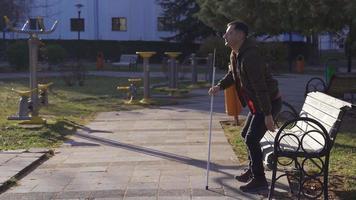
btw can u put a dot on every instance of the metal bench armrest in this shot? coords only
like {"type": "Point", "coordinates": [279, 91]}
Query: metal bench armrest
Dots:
{"type": "Point", "coordinates": [288, 112]}
{"type": "Point", "coordinates": [315, 84]}
{"type": "Point", "coordinates": [315, 127]}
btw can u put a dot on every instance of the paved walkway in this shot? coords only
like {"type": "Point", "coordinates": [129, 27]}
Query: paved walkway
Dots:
{"type": "Point", "coordinates": [14, 164]}
{"type": "Point", "coordinates": [157, 153]}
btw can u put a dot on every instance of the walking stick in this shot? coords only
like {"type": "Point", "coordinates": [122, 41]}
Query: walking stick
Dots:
{"type": "Point", "coordinates": [210, 124]}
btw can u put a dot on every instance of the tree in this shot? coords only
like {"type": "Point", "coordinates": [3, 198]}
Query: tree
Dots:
{"type": "Point", "coordinates": [181, 18]}
{"type": "Point", "coordinates": [265, 17]}
{"type": "Point", "coordinates": [273, 17]}
{"type": "Point", "coordinates": [350, 20]}
{"type": "Point", "coordinates": [12, 9]}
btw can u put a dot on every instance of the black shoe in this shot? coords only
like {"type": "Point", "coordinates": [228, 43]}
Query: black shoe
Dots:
{"type": "Point", "coordinates": [255, 185]}
{"type": "Point", "coordinates": [244, 177]}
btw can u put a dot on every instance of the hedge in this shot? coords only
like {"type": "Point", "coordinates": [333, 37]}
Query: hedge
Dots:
{"type": "Point", "coordinates": [88, 49]}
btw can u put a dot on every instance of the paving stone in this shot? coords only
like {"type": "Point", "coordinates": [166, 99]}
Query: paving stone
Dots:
{"type": "Point", "coordinates": [74, 195]}
{"type": "Point", "coordinates": [140, 198]}
{"type": "Point", "coordinates": [141, 193]}
{"type": "Point", "coordinates": [174, 192]}
{"type": "Point", "coordinates": [151, 153]}
{"type": "Point", "coordinates": [27, 196]}
{"type": "Point", "coordinates": [108, 194]}
{"type": "Point", "coordinates": [143, 185]}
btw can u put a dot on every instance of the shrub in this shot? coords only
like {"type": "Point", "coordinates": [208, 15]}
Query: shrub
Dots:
{"type": "Point", "coordinates": [18, 55]}
{"type": "Point", "coordinates": [112, 50]}
{"type": "Point", "coordinates": [274, 53]}
{"type": "Point", "coordinates": [55, 54]}
{"type": "Point", "coordinates": [222, 52]}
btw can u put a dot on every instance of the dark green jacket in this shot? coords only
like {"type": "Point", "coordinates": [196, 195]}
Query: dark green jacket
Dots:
{"type": "Point", "coordinates": [252, 78]}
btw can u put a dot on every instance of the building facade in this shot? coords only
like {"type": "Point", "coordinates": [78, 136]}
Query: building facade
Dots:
{"type": "Point", "coordinates": [121, 20]}
{"type": "Point", "coordinates": [100, 19]}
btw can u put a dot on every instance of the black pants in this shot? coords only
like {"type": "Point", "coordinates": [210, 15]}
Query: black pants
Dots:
{"type": "Point", "coordinates": [252, 132]}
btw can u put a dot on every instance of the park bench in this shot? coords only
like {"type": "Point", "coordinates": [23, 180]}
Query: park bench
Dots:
{"type": "Point", "coordinates": [339, 85]}
{"type": "Point", "coordinates": [303, 144]}
{"type": "Point", "coordinates": [129, 60]}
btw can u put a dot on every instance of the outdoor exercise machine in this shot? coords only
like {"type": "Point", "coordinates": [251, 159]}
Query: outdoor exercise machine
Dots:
{"type": "Point", "coordinates": [131, 90]}
{"type": "Point", "coordinates": [173, 81]}
{"type": "Point", "coordinates": [173, 75]}
{"type": "Point", "coordinates": [29, 101]}
{"type": "Point", "coordinates": [146, 55]}
{"type": "Point", "coordinates": [194, 67]}
{"type": "Point", "coordinates": [43, 93]}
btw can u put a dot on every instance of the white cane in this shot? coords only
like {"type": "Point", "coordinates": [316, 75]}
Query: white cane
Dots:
{"type": "Point", "coordinates": [210, 124]}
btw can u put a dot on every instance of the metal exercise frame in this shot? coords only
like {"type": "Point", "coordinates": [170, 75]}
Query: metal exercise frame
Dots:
{"type": "Point", "coordinates": [33, 43]}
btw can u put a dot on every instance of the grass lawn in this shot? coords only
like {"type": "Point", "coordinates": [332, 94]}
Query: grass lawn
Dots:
{"type": "Point", "coordinates": [69, 108]}
{"type": "Point", "coordinates": [342, 167]}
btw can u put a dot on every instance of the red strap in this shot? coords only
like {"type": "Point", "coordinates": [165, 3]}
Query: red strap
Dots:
{"type": "Point", "coordinates": [251, 106]}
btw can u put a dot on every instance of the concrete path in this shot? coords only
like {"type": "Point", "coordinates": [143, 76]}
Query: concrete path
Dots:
{"type": "Point", "coordinates": [14, 164]}
{"type": "Point", "coordinates": [156, 153]}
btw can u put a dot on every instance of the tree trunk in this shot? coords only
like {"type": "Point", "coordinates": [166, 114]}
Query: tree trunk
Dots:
{"type": "Point", "coordinates": [314, 51]}
{"type": "Point", "coordinates": [349, 56]}
{"type": "Point", "coordinates": [290, 59]}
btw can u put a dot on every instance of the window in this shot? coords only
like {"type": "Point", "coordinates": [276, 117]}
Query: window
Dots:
{"type": "Point", "coordinates": [77, 24]}
{"type": "Point", "coordinates": [36, 23]}
{"type": "Point", "coordinates": [119, 24]}
{"type": "Point", "coordinates": [164, 24]}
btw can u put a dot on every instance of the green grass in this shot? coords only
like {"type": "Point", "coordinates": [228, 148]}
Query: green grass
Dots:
{"type": "Point", "coordinates": [69, 109]}
{"type": "Point", "coordinates": [342, 167]}
{"type": "Point", "coordinates": [233, 135]}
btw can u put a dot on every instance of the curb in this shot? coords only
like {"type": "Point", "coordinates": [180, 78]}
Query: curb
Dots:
{"type": "Point", "coordinates": [22, 173]}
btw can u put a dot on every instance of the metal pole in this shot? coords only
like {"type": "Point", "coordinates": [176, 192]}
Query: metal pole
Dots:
{"type": "Point", "coordinates": [194, 70]}
{"type": "Point", "coordinates": [210, 125]}
{"type": "Point", "coordinates": [33, 43]}
{"type": "Point", "coordinates": [78, 25]}
{"type": "Point", "coordinates": [146, 79]}
{"type": "Point", "coordinates": [146, 75]}
{"type": "Point", "coordinates": [175, 68]}
{"type": "Point", "coordinates": [173, 79]}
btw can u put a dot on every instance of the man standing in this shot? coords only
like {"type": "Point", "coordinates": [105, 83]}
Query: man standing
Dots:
{"type": "Point", "coordinates": [258, 90]}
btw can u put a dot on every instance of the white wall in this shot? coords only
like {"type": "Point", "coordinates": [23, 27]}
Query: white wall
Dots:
{"type": "Point", "coordinates": [141, 18]}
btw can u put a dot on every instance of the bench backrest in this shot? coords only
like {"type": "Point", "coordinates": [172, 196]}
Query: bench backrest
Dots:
{"type": "Point", "coordinates": [325, 109]}
{"type": "Point", "coordinates": [342, 83]}
{"type": "Point", "coordinates": [130, 58]}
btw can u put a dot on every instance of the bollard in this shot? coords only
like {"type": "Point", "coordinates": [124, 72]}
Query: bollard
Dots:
{"type": "Point", "coordinates": [146, 75]}
{"type": "Point", "coordinates": [194, 69]}
{"type": "Point", "coordinates": [173, 83]}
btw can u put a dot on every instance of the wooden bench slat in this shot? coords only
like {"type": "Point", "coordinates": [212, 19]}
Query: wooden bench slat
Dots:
{"type": "Point", "coordinates": [326, 108]}
{"type": "Point", "coordinates": [324, 119]}
{"type": "Point", "coordinates": [329, 100]}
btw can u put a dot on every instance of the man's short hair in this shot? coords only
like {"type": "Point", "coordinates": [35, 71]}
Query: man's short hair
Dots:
{"type": "Point", "coordinates": [239, 26]}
